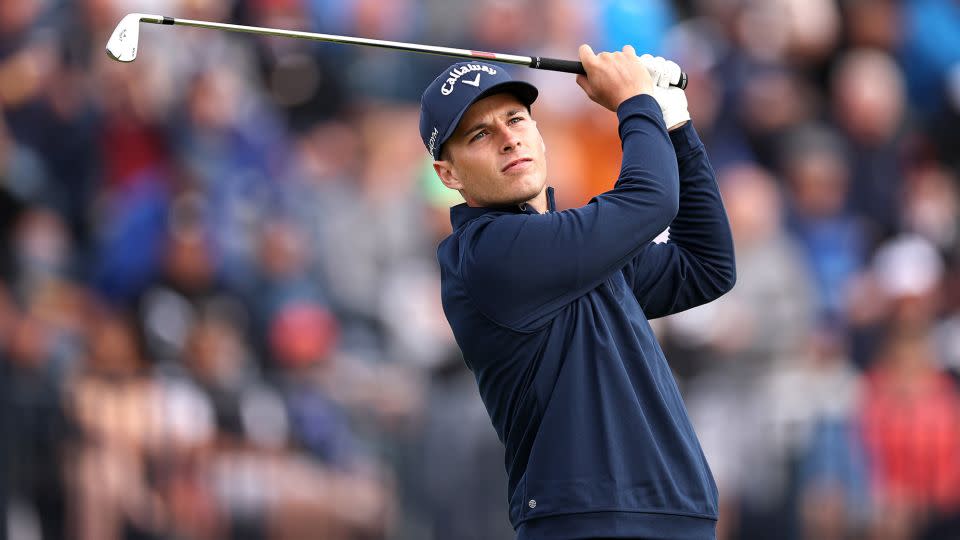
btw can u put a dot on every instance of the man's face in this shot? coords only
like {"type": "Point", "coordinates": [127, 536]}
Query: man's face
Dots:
{"type": "Point", "coordinates": [496, 155]}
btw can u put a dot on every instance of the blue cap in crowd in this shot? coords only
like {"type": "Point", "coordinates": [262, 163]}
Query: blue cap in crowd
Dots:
{"type": "Point", "coordinates": [453, 91]}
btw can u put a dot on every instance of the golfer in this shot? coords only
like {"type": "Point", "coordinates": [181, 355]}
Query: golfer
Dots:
{"type": "Point", "coordinates": [550, 307]}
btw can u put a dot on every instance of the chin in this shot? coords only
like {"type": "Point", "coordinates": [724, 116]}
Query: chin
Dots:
{"type": "Point", "coordinates": [534, 188]}
{"type": "Point", "coordinates": [525, 195]}
{"type": "Point", "coordinates": [515, 191]}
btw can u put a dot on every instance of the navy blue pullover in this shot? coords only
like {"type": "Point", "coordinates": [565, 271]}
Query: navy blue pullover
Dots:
{"type": "Point", "coordinates": [550, 311]}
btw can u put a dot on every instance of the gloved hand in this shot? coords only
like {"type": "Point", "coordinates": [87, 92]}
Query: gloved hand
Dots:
{"type": "Point", "coordinates": [672, 100]}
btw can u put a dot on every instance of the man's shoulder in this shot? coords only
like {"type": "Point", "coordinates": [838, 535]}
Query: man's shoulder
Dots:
{"type": "Point", "coordinates": [460, 250]}
{"type": "Point", "coordinates": [469, 229]}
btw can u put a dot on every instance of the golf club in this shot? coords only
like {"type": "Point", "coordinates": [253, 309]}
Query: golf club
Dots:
{"type": "Point", "coordinates": [124, 42]}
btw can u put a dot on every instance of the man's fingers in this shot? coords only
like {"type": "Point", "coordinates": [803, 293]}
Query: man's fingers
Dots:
{"type": "Point", "coordinates": [612, 77]}
{"type": "Point", "coordinates": [585, 84]}
{"type": "Point", "coordinates": [672, 72]}
{"type": "Point", "coordinates": [663, 72]}
{"type": "Point", "coordinates": [650, 62]}
{"type": "Point", "coordinates": [589, 61]}
{"type": "Point", "coordinates": [661, 67]}
{"type": "Point", "coordinates": [586, 54]}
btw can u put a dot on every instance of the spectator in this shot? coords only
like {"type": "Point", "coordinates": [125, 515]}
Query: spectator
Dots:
{"type": "Point", "coordinates": [37, 418]}
{"type": "Point", "coordinates": [914, 463]}
{"type": "Point", "coordinates": [818, 176]}
{"type": "Point", "coordinates": [110, 401]}
{"type": "Point", "coordinates": [868, 103]}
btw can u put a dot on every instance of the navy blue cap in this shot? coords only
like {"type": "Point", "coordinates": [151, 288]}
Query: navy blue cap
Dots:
{"type": "Point", "coordinates": [455, 90]}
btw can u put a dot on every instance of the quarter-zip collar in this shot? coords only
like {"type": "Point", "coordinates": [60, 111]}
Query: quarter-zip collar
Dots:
{"type": "Point", "coordinates": [463, 213]}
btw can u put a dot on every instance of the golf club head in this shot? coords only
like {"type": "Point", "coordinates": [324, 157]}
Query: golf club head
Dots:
{"type": "Point", "coordinates": [123, 43]}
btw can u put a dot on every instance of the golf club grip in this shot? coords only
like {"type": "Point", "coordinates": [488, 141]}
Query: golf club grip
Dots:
{"type": "Point", "coordinates": [574, 66]}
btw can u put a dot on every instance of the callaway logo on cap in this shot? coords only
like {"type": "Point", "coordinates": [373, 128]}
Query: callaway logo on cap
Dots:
{"type": "Point", "coordinates": [456, 72]}
{"type": "Point", "coordinates": [453, 91]}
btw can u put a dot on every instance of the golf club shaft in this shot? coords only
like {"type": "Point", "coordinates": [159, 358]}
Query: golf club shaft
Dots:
{"type": "Point", "coordinates": [536, 62]}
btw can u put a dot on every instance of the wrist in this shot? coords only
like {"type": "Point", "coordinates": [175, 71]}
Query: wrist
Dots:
{"type": "Point", "coordinates": [627, 97]}
{"type": "Point", "coordinates": [685, 139]}
{"type": "Point", "coordinates": [674, 117]}
{"type": "Point", "coordinates": [642, 101]}
{"type": "Point", "coordinates": [673, 103]}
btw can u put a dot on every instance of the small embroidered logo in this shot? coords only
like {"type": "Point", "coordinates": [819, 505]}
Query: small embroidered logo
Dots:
{"type": "Point", "coordinates": [475, 82]}
{"type": "Point", "coordinates": [433, 140]}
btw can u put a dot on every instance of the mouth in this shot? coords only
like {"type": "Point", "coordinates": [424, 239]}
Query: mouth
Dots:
{"type": "Point", "coordinates": [516, 164]}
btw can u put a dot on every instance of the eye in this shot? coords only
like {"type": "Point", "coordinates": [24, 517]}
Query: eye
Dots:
{"type": "Point", "coordinates": [478, 136]}
{"type": "Point", "coordinates": [515, 119]}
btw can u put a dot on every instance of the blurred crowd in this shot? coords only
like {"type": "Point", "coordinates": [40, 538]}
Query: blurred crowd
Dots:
{"type": "Point", "coordinates": [219, 299]}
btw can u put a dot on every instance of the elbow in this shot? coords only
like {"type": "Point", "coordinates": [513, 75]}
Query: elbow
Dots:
{"type": "Point", "coordinates": [656, 191]}
{"type": "Point", "coordinates": [722, 277]}
{"type": "Point", "coordinates": [669, 207]}
{"type": "Point", "coordinates": [671, 193]}
{"type": "Point", "coordinates": [672, 206]}
{"type": "Point", "coordinates": [728, 280]}
{"type": "Point", "coordinates": [726, 266]}
{"type": "Point", "coordinates": [730, 271]}
{"type": "Point", "coordinates": [721, 281]}
{"type": "Point", "coordinates": [727, 275]}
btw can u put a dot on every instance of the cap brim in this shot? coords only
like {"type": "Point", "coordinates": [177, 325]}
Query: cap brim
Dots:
{"type": "Point", "coordinates": [524, 91]}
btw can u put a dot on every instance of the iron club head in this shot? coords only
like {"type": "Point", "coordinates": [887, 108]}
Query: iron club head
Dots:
{"type": "Point", "coordinates": [123, 42]}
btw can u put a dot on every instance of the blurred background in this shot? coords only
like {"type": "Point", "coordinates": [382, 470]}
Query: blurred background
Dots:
{"type": "Point", "coordinates": [219, 298]}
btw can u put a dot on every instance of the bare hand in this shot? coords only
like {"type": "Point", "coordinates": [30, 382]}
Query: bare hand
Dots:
{"type": "Point", "coordinates": [613, 77]}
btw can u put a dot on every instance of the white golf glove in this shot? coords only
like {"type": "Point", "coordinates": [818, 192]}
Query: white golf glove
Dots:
{"type": "Point", "coordinates": [672, 100]}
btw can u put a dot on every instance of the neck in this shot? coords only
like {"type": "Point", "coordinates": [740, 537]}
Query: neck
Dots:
{"type": "Point", "coordinates": [539, 203]}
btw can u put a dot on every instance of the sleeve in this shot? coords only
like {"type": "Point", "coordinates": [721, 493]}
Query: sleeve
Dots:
{"type": "Point", "coordinates": [518, 269]}
{"type": "Point", "coordinates": [696, 265]}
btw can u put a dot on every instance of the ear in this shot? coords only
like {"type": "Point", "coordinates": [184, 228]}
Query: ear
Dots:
{"type": "Point", "coordinates": [543, 143]}
{"type": "Point", "coordinates": [447, 174]}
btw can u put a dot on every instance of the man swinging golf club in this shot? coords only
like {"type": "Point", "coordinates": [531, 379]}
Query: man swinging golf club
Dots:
{"type": "Point", "coordinates": [550, 308]}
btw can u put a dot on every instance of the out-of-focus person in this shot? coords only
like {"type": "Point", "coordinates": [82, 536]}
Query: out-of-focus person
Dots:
{"type": "Point", "coordinates": [910, 411]}
{"type": "Point", "coordinates": [817, 177]}
{"type": "Point", "coordinates": [870, 108]}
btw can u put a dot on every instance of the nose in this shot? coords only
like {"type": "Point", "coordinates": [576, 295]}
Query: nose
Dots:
{"type": "Point", "coordinates": [511, 141]}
